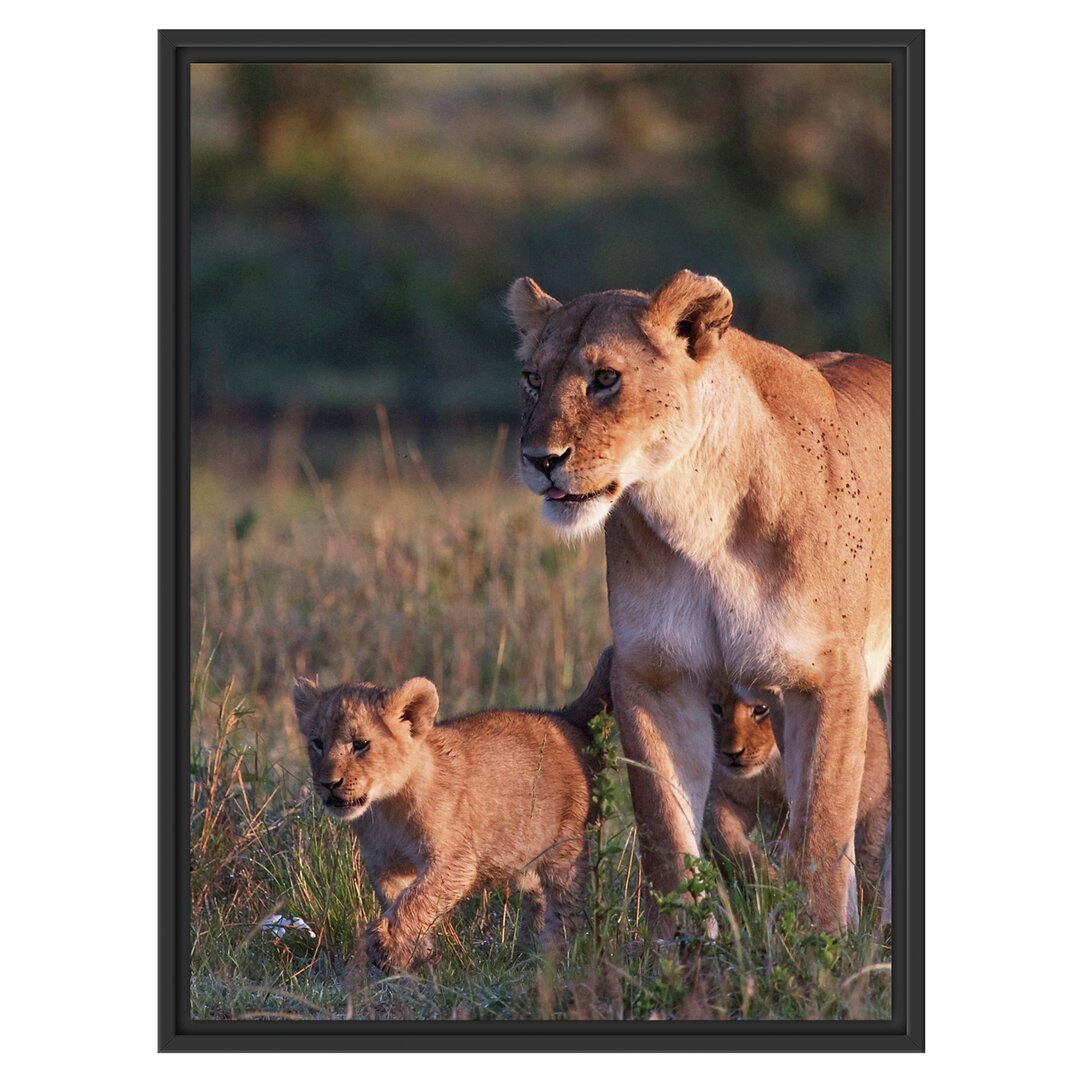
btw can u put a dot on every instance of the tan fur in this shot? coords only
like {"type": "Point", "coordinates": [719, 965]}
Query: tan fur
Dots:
{"type": "Point", "coordinates": [748, 784]}
{"type": "Point", "coordinates": [745, 497]}
{"type": "Point", "coordinates": [442, 810]}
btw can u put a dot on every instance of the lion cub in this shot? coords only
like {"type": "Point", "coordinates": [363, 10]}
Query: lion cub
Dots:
{"type": "Point", "coordinates": [748, 783]}
{"type": "Point", "coordinates": [442, 810]}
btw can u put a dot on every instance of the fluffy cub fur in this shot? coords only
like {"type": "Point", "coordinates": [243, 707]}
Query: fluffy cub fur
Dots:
{"type": "Point", "coordinates": [748, 783]}
{"type": "Point", "coordinates": [442, 810]}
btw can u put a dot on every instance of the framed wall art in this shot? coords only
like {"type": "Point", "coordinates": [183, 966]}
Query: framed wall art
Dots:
{"type": "Point", "coordinates": [541, 568]}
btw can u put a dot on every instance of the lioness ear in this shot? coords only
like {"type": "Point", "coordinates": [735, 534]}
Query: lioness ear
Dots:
{"type": "Point", "coordinates": [529, 306]}
{"type": "Point", "coordinates": [416, 703]}
{"type": "Point", "coordinates": [306, 702]}
{"type": "Point", "coordinates": [693, 307]}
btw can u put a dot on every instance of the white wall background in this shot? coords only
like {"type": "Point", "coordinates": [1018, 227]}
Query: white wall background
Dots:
{"type": "Point", "coordinates": [77, 439]}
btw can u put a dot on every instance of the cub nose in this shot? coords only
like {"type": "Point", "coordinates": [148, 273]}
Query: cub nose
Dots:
{"type": "Point", "coordinates": [734, 755]}
{"type": "Point", "coordinates": [545, 460]}
{"type": "Point", "coordinates": [332, 785]}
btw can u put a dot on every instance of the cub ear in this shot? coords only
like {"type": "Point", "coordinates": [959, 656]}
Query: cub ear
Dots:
{"type": "Point", "coordinates": [693, 307]}
{"type": "Point", "coordinates": [529, 306]}
{"type": "Point", "coordinates": [306, 695]}
{"type": "Point", "coordinates": [416, 703]}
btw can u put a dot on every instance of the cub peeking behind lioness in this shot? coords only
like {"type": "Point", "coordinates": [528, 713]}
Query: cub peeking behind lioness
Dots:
{"type": "Point", "coordinates": [442, 810]}
{"type": "Point", "coordinates": [748, 783]}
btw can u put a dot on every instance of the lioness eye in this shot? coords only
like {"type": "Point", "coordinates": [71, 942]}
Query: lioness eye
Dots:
{"type": "Point", "coordinates": [533, 379]}
{"type": "Point", "coordinates": [317, 744]}
{"type": "Point", "coordinates": [718, 709]}
{"type": "Point", "coordinates": [761, 710]}
{"type": "Point", "coordinates": [360, 746]}
{"type": "Point", "coordinates": [606, 378]}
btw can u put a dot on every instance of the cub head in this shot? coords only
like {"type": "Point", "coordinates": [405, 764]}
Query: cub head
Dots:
{"type": "Point", "coordinates": [607, 388]}
{"type": "Point", "coordinates": [745, 742]}
{"type": "Point", "coordinates": [362, 740]}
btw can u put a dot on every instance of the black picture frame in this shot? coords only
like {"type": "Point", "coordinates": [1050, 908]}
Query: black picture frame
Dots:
{"type": "Point", "coordinates": [904, 51]}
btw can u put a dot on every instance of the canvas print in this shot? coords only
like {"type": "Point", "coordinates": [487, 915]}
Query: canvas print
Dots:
{"type": "Point", "coordinates": [541, 583]}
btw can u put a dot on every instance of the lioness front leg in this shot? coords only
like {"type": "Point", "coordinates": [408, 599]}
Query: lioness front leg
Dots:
{"type": "Point", "coordinates": [824, 753]}
{"type": "Point", "coordinates": [404, 934]}
{"type": "Point", "coordinates": [666, 732]}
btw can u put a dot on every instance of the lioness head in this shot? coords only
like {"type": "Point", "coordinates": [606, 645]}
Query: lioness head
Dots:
{"type": "Point", "coordinates": [607, 386]}
{"type": "Point", "coordinates": [744, 736]}
{"type": "Point", "coordinates": [362, 739]}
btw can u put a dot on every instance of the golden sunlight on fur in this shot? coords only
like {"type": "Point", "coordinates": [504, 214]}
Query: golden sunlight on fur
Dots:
{"type": "Point", "coordinates": [442, 810]}
{"type": "Point", "coordinates": [745, 495]}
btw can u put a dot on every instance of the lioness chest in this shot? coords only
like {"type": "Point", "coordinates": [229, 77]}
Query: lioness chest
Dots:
{"type": "Point", "coordinates": [707, 623]}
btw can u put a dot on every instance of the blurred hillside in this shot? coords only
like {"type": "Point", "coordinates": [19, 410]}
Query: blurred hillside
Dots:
{"type": "Point", "coordinates": [354, 226]}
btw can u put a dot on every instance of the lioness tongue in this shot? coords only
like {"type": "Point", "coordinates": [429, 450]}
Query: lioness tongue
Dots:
{"type": "Point", "coordinates": [555, 493]}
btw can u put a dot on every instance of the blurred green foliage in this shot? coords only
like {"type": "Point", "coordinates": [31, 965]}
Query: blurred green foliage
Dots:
{"type": "Point", "coordinates": [354, 226]}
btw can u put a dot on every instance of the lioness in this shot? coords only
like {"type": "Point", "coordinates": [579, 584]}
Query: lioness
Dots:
{"type": "Point", "coordinates": [748, 783]}
{"type": "Point", "coordinates": [745, 495]}
{"type": "Point", "coordinates": [441, 810]}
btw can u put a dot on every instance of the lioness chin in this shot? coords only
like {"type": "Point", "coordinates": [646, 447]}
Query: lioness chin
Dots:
{"type": "Point", "coordinates": [745, 496]}
{"type": "Point", "coordinates": [442, 810]}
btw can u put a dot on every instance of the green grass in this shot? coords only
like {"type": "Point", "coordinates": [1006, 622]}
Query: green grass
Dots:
{"type": "Point", "coordinates": [384, 574]}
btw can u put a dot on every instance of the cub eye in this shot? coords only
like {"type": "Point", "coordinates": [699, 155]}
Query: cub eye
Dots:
{"type": "Point", "coordinates": [317, 744]}
{"type": "Point", "coordinates": [606, 378]}
{"type": "Point", "coordinates": [717, 709]}
{"type": "Point", "coordinates": [532, 379]}
{"type": "Point", "coordinates": [360, 746]}
{"type": "Point", "coordinates": [761, 710]}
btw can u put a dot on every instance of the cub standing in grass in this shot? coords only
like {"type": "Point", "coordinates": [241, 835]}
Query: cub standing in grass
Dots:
{"type": "Point", "coordinates": [748, 783]}
{"type": "Point", "coordinates": [442, 810]}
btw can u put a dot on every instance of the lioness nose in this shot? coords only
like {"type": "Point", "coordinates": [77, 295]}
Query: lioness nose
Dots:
{"type": "Point", "coordinates": [544, 460]}
{"type": "Point", "coordinates": [331, 785]}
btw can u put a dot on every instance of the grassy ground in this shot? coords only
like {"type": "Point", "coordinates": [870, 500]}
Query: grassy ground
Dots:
{"type": "Point", "coordinates": [386, 573]}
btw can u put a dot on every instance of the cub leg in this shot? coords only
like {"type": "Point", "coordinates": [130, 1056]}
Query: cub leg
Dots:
{"type": "Point", "coordinates": [561, 876]}
{"type": "Point", "coordinates": [730, 828]}
{"type": "Point", "coordinates": [388, 877]}
{"type": "Point", "coordinates": [534, 911]}
{"type": "Point", "coordinates": [870, 837]}
{"type": "Point", "coordinates": [666, 731]}
{"type": "Point", "coordinates": [389, 885]}
{"type": "Point", "coordinates": [403, 936]}
{"type": "Point", "coordinates": [533, 902]}
{"type": "Point", "coordinates": [824, 754]}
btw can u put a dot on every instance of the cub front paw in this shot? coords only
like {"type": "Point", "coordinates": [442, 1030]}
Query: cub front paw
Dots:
{"type": "Point", "coordinates": [389, 949]}
{"type": "Point", "coordinates": [378, 945]}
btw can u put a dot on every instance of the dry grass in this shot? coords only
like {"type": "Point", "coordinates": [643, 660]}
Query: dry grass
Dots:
{"type": "Point", "coordinates": [383, 574]}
